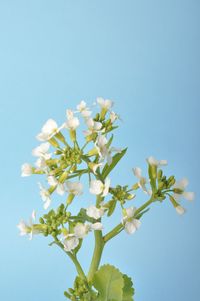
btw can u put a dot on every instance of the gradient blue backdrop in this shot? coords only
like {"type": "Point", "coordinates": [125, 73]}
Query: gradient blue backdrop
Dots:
{"type": "Point", "coordinates": [145, 56]}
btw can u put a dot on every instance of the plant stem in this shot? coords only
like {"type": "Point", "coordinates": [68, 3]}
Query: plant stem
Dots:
{"type": "Point", "coordinates": [151, 200]}
{"type": "Point", "coordinates": [74, 260]}
{"type": "Point", "coordinates": [115, 231]}
{"type": "Point", "coordinates": [99, 245]}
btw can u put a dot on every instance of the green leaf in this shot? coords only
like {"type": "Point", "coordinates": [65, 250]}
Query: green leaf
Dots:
{"type": "Point", "coordinates": [109, 283]}
{"type": "Point", "coordinates": [116, 158]}
{"type": "Point", "coordinates": [128, 290]}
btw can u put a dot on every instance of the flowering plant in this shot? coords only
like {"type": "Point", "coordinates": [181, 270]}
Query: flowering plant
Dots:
{"type": "Point", "coordinates": [68, 160]}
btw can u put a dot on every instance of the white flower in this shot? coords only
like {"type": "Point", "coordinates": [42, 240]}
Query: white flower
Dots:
{"type": "Point", "coordinates": [105, 103]}
{"type": "Point", "coordinates": [103, 151]}
{"type": "Point", "coordinates": [130, 223]}
{"type": "Point", "coordinates": [81, 230]}
{"type": "Point", "coordinates": [41, 163]}
{"type": "Point", "coordinates": [182, 184]}
{"type": "Point", "coordinates": [72, 122]}
{"type": "Point", "coordinates": [96, 226]}
{"type": "Point", "coordinates": [45, 195]}
{"type": "Point", "coordinates": [60, 188]}
{"type": "Point", "coordinates": [49, 129]}
{"type": "Point", "coordinates": [95, 212]}
{"type": "Point", "coordinates": [26, 170]}
{"type": "Point", "coordinates": [26, 228]}
{"type": "Point", "coordinates": [75, 188]}
{"type": "Point", "coordinates": [113, 116]}
{"type": "Point", "coordinates": [42, 151]}
{"type": "Point", "coordinates": [142, 180]}
{"type": "Point", "coordinates": [180, 210]}
{"type": "Point", "coordinates": [94, 166]}
{"type": "Point", "coordinates": [70, 242]}
{"type": "Point", "coordinates": [83, 109]}
{"type": "Point", "coordinates": [97, 187]}
{"type": "Point", "coordinates": [152, 161]}
{"type": "Point", "coordinates": [93, 126]}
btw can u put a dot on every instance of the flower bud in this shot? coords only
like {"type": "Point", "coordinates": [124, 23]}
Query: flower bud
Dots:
{"type": "Point", "coordinates": [135, 186]}
{"type": "Point", "coordinates": [53, 142]}
{"type": "Point", "coordinates": [63, 177]}
{"type": "Point", "coordinates": [70, 198]}
{"type": "Point", "coordinates": [178, 190]}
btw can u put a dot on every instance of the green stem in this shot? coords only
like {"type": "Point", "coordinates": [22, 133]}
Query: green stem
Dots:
{"type": "Point", "coordinates": [115, 231]}
{"type": "Point", "coordinates": [99, 245]}
{"type": "Point", "coordinates": [74, 260]}
{"type": "Point", "coordinates": [151, 200]}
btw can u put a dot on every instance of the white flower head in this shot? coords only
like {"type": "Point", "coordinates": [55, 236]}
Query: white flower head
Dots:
{"type": "Point", "coordinates": [95, 212]}
{"type": "Point", "coordinates": [45, 195]}
{"type": "Point", "coordinates": [131, 224]}
{"type": "Point", "coordinates": [26, 228]}
{"type": "Point", "coordinates": [104, 103]}
{"type": "Point", "coordinates": [182, 185]}
{"type": "Point", "coordinates": [49, 129]}
{"type": "Point", "coordinates": [26, 170]}
{"type": "Point", "coordinates": [103, 150]}
{"type": "Point", "coordinates": [93, 126]}
{"type": "Point", "coordinates": [113, 117]}
{"type": "Point", "coordinates": [60, 188]}
{"type": "Point", "coordinates": [180, 210]}
{"type": "Point", "coordinates": [83, 109]}
{"type": "Point", "coordinates": [75, 188]}
{"type": "Point", "coordinates": [42, 151]}
{"type": "Point", "coordinates": [81, 230]}
{"type": "Point", "coordinates": [72, 122]}
{"type": "Point", "coordinates": [96, 226]}
{"type": "Point", "coordinates": [70, 242]}
{"type": "Point", "coordinates": [152, 161]}
{"type": "Point", "coordinates": [142, 180]}
{"type": "Point", "coordinates": [97, 187]}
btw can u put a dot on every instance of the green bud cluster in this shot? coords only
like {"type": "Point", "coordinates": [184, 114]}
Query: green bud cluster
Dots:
{"type": "Point", "coordinates": [80, 291]}
{"type": "Point", "coordinates": [164, 183]}
{"type": "Point", "coordinates": [70, 156]}
{"type": "Point", "coordinates": [121, 194]}
{"type": "Point", "coordinates": [54, 219]}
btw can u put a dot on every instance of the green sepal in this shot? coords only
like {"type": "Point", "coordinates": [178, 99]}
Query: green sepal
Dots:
{"type": "Point", "coordinates": [111, 206]}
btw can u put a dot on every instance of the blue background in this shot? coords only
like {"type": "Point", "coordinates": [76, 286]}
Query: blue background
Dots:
{"type": "Point", "coordinates": [145, 56]}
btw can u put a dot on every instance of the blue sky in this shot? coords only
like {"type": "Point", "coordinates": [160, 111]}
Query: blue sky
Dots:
{"type": "Point", "coordinates": [145, 56]}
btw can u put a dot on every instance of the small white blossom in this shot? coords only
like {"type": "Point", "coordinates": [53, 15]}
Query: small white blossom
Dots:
{"type": "Point", "coordinates": [70, 242]}
{"type": "Point", "coordinates": [131, 224]}
{"type": "Point", "coordinates": [60, 188]}
{"type": "Point", "coordinates": [93, 126]}
{"type": "Point", "coordinates": [182, 185]}
{"type": "Point", "coordinates": [96, 226]}
{"type": "Point", "coordinates": [83, 109]}
{"type": "Point", "coordinates": [103, 150]}
{"type": "Point", "coordinates": [95, 212]}
{"type": "Point", "coordinates": [81, 230]}
{"type": "Point", "coordinates": [45, 195]}
{"type": "Point", "coordinates": [104, 103]}
{"type": "Point", "coordinates": [142, 180]}
{"type": "Point", "coordinates": [113, 117]}
{"type": "Point", "coordinates": [97, 187]}
{"type": "Point", "coordinates": [152, 161]}
{"type": "Point", "coordinates": [26, 228]}
{"type": "Point", "coordinates": [180, 210]}
{"type": "Point", "coordinates": [42, 151]}
{"type": "Point", "coordinates": [75, 188]}
{"type": "Point", "coordinates": [49, 129]}
{"type": "Point", "coordinates": [72, 122]}
{"type": "Point", "coordinates": [41, 164]}
{"type": "Point", "coordinates": [26, 170]}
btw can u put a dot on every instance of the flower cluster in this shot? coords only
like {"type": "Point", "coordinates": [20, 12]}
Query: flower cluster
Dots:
{"type": "Point", "coordinates": [63, 163]}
